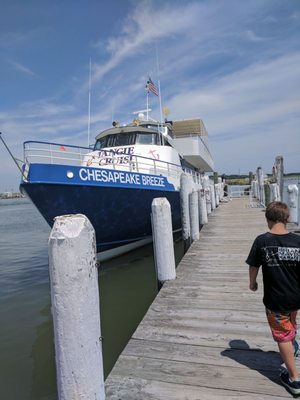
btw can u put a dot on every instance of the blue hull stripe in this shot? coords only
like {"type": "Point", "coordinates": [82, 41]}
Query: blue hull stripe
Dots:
{"type": "Point", "coordinates": [87, 176]}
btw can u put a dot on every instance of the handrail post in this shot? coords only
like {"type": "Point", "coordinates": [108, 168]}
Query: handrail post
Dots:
{"type": "Point", "coordinates": [51, 158]}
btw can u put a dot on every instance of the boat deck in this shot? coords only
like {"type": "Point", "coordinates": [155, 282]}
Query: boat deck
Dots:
{"type": "Point", "coordinates": [205, 336]}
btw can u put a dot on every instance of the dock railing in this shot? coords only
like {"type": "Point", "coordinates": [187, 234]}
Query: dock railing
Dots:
{"type": "Point", "coordinates": [236, 191]}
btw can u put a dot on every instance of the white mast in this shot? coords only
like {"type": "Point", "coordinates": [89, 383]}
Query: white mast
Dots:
{"type": "Point", "coordinates": [89, 106]}
{"type": "Point", "coordinates": [160, 106]}
{"type": "Point", "coordinates": [147, 104]}
{"type": "Point", "coordinates": [159, 91]}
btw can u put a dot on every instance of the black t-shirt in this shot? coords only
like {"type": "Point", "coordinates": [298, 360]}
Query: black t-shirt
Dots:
{"type": "Point", "coordinates": [279, 256]}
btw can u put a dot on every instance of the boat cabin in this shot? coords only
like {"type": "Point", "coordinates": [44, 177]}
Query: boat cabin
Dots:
{"type": "Point", "coordinates": [134, 134]}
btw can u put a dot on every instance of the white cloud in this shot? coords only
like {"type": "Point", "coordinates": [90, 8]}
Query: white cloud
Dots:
{"type": "Point", "coordinates": [250, 114]}
{"type": "Point", "coordinates": [253, 37]}
{"type": "Point", "coordinates": [260, 92]}
{"type": "Point", "coordinates": [22, 68]}
{"type": "Point", "coordinates": [143, 27]}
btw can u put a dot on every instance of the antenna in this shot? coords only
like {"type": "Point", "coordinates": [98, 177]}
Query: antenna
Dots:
{"type": "Point", "coordinates": [142, 111]}
{"type": "Point", "coordinates": [89, 106]}
{"type": "Point", "coordinates": [159, 90]}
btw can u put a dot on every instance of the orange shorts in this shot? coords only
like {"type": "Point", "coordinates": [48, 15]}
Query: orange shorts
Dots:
{"type": "Point", "coordinates": [283, 325]}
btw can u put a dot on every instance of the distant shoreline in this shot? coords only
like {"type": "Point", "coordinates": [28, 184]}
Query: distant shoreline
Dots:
{"type": "Point", "coordinates": [11, 195]}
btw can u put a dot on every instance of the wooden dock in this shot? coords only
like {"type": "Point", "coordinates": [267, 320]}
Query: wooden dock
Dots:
{"type": "Point", "coordinates": [205, 336]}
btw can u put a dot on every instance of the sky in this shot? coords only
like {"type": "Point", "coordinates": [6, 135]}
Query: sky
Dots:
{"type": "Point", "coordinates": [233, 63]}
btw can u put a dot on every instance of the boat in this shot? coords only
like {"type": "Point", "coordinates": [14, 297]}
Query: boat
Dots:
{"type": "Point", "coordinates": [114, 182]}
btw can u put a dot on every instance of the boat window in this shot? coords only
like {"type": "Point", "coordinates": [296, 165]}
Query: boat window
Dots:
{"type": "Point", "coordinates": [146, 138]}
{"type": "Point", "coordinates": [117, 140]}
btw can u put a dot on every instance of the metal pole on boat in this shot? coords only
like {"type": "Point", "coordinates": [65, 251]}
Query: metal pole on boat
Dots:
{"type": "Point", "coordinates": [163, 240]}
{"type": "Point", "coordinates": [147, 104]}
{"type": "Point", "coordinates": [75, 309]}
{"type": "Point", "coordinates": [89, 105]}
{"type": "Point", "coordinates": [12, 156]}
{"type": "Point", "coordinates": [185, 212]}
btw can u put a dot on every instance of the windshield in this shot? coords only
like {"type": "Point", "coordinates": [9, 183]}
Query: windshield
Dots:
{"type": "Point", "coordinates": [126, 139]}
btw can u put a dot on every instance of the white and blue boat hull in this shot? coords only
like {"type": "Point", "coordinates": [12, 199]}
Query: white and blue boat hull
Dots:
{"type": "Point", "coordinates": [117, 203]}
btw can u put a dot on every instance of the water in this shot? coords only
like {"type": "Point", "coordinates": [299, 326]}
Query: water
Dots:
{"type": "Point", "coordinates": [27, 366]}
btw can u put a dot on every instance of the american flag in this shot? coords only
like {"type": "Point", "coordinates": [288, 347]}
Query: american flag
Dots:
{"type": "Point", "coordinates": [150, 86]}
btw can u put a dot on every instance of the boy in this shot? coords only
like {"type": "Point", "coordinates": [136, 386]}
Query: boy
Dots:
{"type": "Point", "coordinates": [278, 252]}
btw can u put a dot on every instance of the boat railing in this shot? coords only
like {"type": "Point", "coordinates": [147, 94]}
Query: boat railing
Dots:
{"type": "Point", "coordinates": [54, 153]}
{"type": "Point", "coordinates": [57, 153]}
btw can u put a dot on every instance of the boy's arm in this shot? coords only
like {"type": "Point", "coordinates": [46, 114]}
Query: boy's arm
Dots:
{"type": "Point", "coordinates": [253, 271]}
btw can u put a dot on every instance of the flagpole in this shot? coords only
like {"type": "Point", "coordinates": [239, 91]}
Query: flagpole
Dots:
{"type": "Point", "coordinates": [147, 104]}
{"type": "Point", "coordinates": [159, 91]}
{"type": "Point", "coordinates": [89, 106]}
{"type": "Point", "coordinates": [159, 98]}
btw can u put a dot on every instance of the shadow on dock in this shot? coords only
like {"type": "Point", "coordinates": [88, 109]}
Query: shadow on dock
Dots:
{"type": "Point", "coordinates": [267, 363]}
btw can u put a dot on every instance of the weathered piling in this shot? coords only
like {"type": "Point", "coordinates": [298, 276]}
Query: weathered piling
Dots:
{"type": "Point", "coordinates": [215, 177]}
{"type": "Point", "coordinates": [217, 193]}
{"type": "Point", "coordinates": [260, 180]}
{"type": "Point", "coordinates": [163, 240]}
{"type": "Point", "coordinates": [185, 213]}
{"type": "Point", "coordinates": [278, 174]}
{"type": "Point", "coordinates": [207, 194]}
{"type": "Point", "coordinates": [267, 193]}
{"type": "Point", "coordinates": [254, 188]}
{"type": "Point", "coordinates": [275, 195]}
{"type": "Point", "coordinates": [194, 215]}
{"type": "Point", "coordinates": [221, 189]}
{"type": "Point", "coordinates": [293, 203]}
{"type": "Point", "coordinates": [250, 177]}
{"type": "Point", "coordinates": [75, 309]}
{"type": "Point", "coordinates": [202, 207]}
{"type": "Point", "coordinates": [212, 196]}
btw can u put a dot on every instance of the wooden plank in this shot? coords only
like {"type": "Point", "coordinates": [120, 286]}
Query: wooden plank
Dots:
{"type": "Point", "coordinates": [238, 355]}
{"type": "Point", "coordinates": [123, 388]}
{"type": "Point", "coordinates": [197, 334]}
{"type": "Point", "coordinates": [201, 375]}
{"type": "Point", "coordinates": [171, 312]}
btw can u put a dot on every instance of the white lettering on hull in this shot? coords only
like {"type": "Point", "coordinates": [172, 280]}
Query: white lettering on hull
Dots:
{"type": "Point", "coordinates": [126, 178]}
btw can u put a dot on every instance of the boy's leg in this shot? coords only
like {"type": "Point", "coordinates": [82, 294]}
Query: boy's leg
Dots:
{"type": "Point", "coordinates": [284, 327]}
{"type": "Point", "coordinates": [287, 354]}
